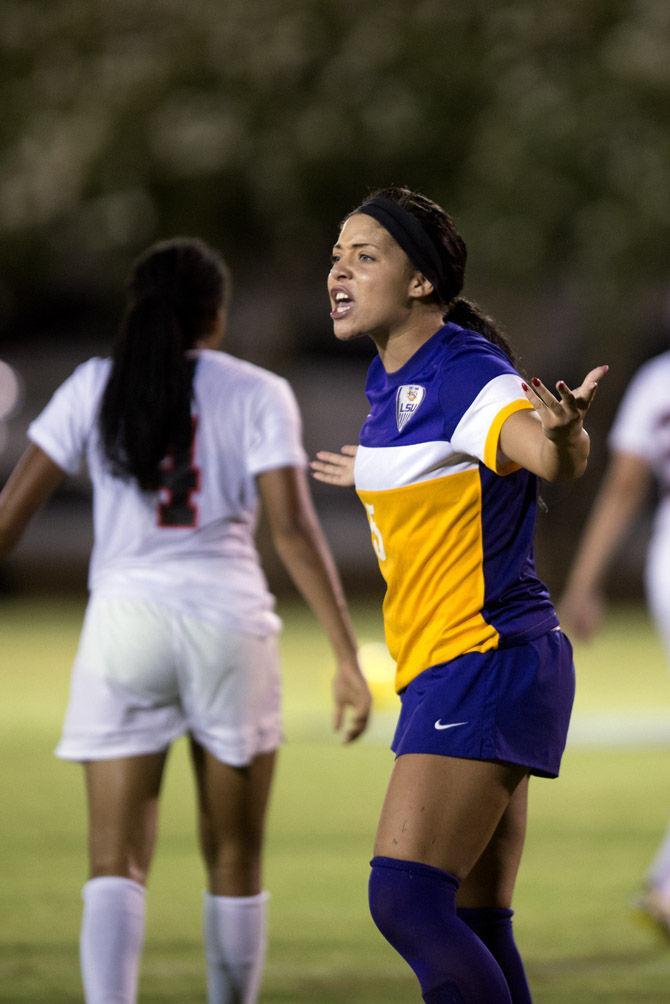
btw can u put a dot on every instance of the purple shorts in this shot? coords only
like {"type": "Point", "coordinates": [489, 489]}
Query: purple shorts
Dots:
{"type": "Point", "coordinates": [511, 704]}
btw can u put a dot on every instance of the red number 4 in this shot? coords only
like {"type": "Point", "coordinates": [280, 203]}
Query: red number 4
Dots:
{"type": "Point", "coordinates": [180, 478]}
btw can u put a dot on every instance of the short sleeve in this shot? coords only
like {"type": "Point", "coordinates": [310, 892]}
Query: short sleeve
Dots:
{"type": "Point", "coordinates": [633, 428]}
{"type": "Point", "coordinates": [63, 427]}
{"type": "Point", "coordinates": [276, 435]}
{"type": "Point", "coordinates": [477, 434]}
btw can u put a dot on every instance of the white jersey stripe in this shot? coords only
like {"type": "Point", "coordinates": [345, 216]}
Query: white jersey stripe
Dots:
{"type": "Point", "coordinates": [387, 467]}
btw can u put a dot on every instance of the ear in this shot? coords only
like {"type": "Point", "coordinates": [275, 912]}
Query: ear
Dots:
{"type": "Point", "coordinates": [420, 287]}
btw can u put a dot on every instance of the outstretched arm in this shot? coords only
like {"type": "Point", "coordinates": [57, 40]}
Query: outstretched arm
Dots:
{"type": "Point", "coordinates": [551, 440]}
{"type": "Point", "coordinates": [30, 484]}
{"type": "Point", "coordinates": [618, 501]}
{"type": "Point", "coordinates": [299, 542]}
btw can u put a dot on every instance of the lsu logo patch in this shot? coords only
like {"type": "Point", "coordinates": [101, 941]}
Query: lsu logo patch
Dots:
{"type": "Point", "coordinates": [408, 400]}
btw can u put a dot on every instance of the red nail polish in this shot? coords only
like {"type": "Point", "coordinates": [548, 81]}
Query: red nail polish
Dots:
{"type": "Point", "coordinates": [536, 381]}
{"type": "Point", "coordinates": [524, 385]}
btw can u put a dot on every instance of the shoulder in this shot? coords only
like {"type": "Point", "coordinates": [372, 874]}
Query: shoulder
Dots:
{"type": "Point", "coordinates": [647, 390]}
{"type": "Point", "coordinates": [97, 367]}
{"type": "Point", "coordinates": [464, 349]}
{"type": "Point", "coordinates": [653, 371]}
{"type": "Point", "coordinates": [223, 381]}
{"type": "Point", "coordinates": [222, 368]}
{"type": "Point", "coordinates": [87, 380]}
{"type": "Point", "coordinates": [470, 364]}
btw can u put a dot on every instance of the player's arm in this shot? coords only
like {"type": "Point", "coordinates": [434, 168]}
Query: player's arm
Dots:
{"type": "Point", "coordinates": [624, 487]}
{"type": "Point", "coordinates": [299, 542]}
{"type": "Point", "coordinates": [30, 485]}
{"type": "Point", "coordinates": [551, 440]}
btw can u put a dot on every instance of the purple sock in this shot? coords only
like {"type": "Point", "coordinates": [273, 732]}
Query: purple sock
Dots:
{"type": "Point", "coordinates": [414, 907]}
{"type": "Point", "coordinates": [494, 927]}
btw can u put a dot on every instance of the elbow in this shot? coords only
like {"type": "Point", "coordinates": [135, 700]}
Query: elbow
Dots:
{"type": "Point", "coordinates": [569, 472]}
{"type": "Point", "coordinates": [291, 534]}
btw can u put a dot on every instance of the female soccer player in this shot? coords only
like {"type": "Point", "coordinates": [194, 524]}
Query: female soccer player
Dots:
{"type": "Point", "coordinates": [180, 634]}
{"type": "Point", "coordinates": [640, 452]}
{"type": "Point", "coordinates": [447, 470]}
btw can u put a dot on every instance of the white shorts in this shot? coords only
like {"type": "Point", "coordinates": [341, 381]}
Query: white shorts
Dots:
{"type": "Point", "coordinates": [145, 674]}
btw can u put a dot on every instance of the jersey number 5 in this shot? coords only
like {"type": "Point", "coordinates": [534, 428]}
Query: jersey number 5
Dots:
{"type": "Point", "coordinates": [179, 479]}
{"type": "Point", "coordinates": [377, 539]}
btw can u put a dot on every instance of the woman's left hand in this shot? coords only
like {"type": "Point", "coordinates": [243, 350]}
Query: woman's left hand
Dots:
{"type": "Point", "coordinates": [565, 414]}
{"type": "Point", "coordinates": [550, 441]}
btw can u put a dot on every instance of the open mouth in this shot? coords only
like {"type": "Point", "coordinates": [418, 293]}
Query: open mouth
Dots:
{"type": "Point", "coordinates": [343, 303]}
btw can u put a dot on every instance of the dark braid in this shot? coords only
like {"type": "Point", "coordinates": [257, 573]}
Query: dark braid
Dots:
{"type": "Point", "coordinates": [176, 290]}
{"type": "Point", "coordinates": [442, 231]}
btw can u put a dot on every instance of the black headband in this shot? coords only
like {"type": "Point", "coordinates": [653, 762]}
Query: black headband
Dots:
{"type": "Point", "coordinates": [406, 231]}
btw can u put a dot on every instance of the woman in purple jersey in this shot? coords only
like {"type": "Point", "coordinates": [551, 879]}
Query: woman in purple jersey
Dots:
{"type": "Point", "coordinates": [180, 636]}
{"type": "Point", "coordinates": [446, 468]}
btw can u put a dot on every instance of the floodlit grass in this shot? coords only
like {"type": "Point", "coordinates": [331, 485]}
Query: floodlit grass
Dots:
{"type": "Point", "coordinates": [591, 835]}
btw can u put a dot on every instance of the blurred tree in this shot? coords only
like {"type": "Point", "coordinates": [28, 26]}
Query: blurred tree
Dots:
{"type": "Point", "coordinates": [258, 123]}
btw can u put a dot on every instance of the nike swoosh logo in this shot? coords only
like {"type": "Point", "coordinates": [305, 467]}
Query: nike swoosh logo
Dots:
{"type": "Point", "coordinates": [448, 725]}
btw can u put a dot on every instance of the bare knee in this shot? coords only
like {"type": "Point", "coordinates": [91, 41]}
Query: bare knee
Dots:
{"type": "Point", "coordinates": [491, 881]}
{"type": "Point", "coordinates": [233, 801]}
{"type": "Point", "coordinates": [113, 851]}
{"type": "Point", "coordinates": [479, 890]}
{"type": "Point", "coordinates": [123, 810]}
{"type": "Point", "coordinates": [233, 867]}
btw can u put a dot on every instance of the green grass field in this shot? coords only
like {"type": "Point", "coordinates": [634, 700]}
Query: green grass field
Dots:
{"type": "Point", "coordinates": [590, 838]}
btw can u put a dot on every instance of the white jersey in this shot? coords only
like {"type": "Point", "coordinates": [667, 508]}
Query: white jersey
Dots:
{"type": "Point", "coordinates": [642, 426]}
{"type": "Point", "coordinates": [191, 543]}
{"type": "Point", "coordinates": [642, 423]}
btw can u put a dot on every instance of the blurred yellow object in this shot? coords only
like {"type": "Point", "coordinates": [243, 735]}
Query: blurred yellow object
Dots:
{"type": "Point", "coordinates": [379, 670]}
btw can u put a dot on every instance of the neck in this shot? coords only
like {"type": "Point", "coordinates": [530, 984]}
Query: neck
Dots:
{"type": "Point", "coordinates": [396, 347]}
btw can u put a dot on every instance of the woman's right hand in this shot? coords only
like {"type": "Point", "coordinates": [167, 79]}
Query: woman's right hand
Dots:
{"type": "Point", "coordinates": [335, 468]}
{"type": "Point", "coordinates": [581, 611]}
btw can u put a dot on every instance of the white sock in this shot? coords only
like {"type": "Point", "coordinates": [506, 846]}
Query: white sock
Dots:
{"type": "Point", "coordinates": [235, 941]}
{"type": "Point", "coordinates": [112, 934]}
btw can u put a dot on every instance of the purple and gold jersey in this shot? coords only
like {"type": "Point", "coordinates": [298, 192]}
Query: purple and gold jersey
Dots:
{"type": "Point", "coordinates": [451, 519]}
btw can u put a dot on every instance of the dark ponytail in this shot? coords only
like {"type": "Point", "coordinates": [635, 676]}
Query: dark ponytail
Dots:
{"type": "Point", "coordinates": [466, 314]}
{"type": "Point", "coordinates": [452, 252]}
{"type": "Point", "coordinates": [176, 291]}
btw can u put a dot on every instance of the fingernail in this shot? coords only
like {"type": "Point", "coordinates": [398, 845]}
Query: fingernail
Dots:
{"type": "Point", "coordinates": [536, 381]}
{"type": "Point", "coordinates": [524, 385]}
{"type": "Point", "coordinates": [561, 384]}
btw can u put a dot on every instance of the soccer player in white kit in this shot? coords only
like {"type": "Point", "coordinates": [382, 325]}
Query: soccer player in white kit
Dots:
{"type": "Point", "coordinates": [180, 634]}
{"type": "Point", "coordinates": [640, 453]}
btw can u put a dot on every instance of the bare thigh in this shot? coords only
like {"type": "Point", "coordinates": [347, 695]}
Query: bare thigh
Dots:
{"type": "Point", "coordinates": [232, 805]}
{"type": "Point", "coordinates": [444, 811]}
{"type": "Point", "coordinates": [123, 813]}
{"type": "Point", "coordinates": [491, 880]}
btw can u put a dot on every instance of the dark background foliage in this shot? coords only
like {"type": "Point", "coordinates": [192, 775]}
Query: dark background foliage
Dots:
{"type": "Point", "coordinates": [257, 124]}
